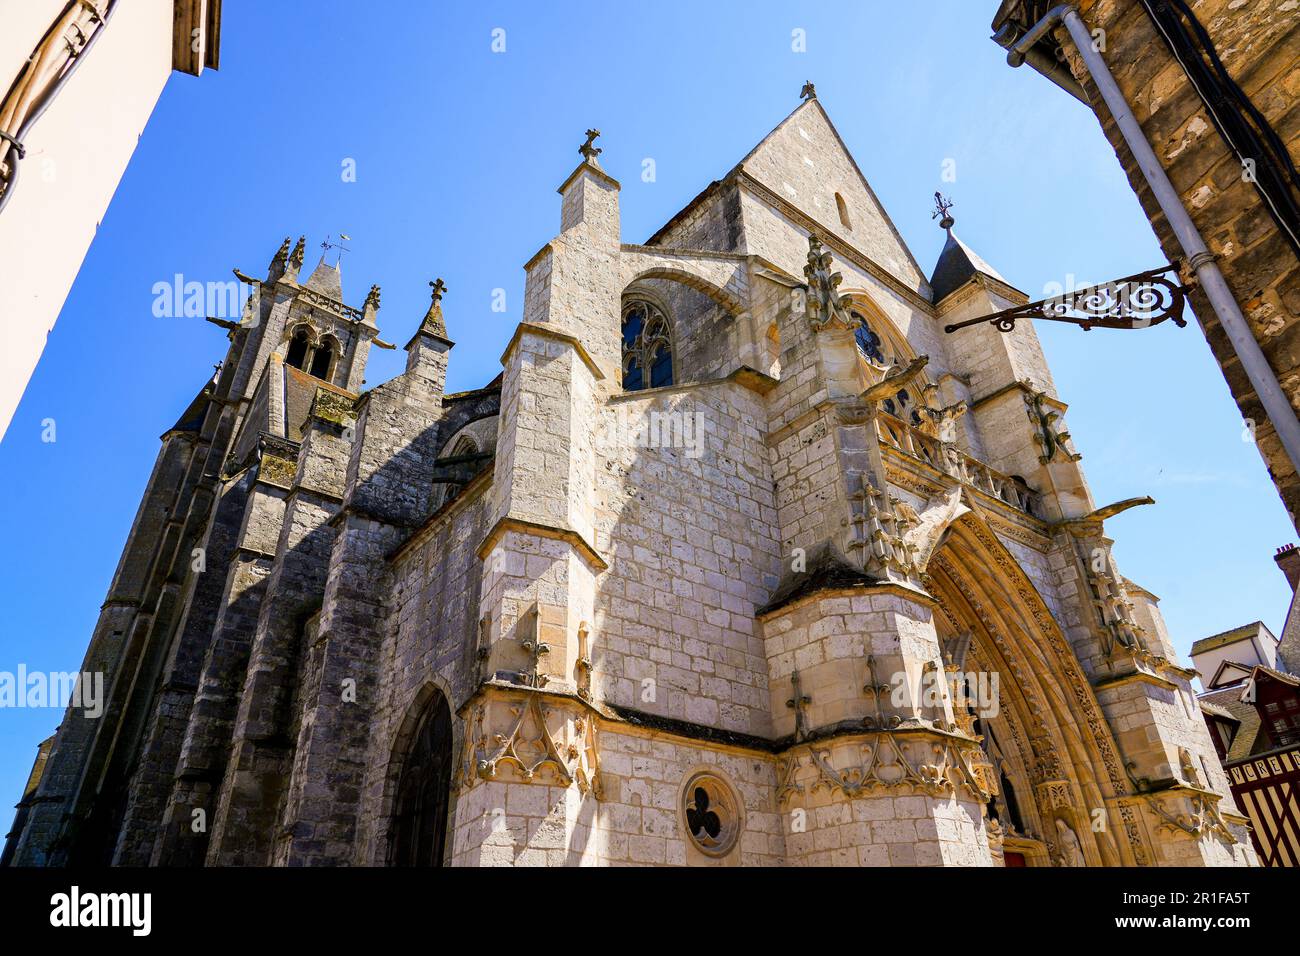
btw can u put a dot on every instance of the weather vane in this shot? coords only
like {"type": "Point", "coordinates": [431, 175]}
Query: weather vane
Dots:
{"type": "Point", "coordinates": [329, 243]}
{"type": "Point", "coordinates": [941, 208]}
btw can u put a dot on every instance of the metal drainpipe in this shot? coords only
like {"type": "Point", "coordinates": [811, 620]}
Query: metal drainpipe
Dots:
{"type": "Point", "coordinates": [1276, 404]}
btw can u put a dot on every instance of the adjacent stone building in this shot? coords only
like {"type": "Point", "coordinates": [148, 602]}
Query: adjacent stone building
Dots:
{"type": "Point", "coordinates": [1215, 86]}
{"type": "Point", "coordinates": [740, 561]}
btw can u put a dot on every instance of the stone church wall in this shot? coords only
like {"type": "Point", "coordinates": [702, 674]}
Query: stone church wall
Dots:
{"type": "Point", "coordinates": [430, 637]}
{"type": "Point", "coordinates": [693, 549]}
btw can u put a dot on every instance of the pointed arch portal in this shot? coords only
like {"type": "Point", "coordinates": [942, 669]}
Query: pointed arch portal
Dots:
{"type": "Point", "coordinates": [1051, 749]}
{"type": "Point", "coordinates": [419, 828]}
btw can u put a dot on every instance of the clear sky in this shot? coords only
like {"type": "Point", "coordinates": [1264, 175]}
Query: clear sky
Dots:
{"type": "Point", "coordinates": [458, 151]}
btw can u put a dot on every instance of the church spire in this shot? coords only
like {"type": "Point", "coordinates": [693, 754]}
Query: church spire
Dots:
{"type": "Point", "coordinates": [327, 279]}
{"type": "Point", "coordinates": [958, 263]}
{"type": "Point", "coordinates": [432, 324]}
{"type": "Point", "coordinates": [427, 352]}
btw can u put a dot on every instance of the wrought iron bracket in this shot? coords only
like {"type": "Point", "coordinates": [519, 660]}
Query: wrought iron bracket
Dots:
{"type": "Point", "coordinates": [1134, 302]}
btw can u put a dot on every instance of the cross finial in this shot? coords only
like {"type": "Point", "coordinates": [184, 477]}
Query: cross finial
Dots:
{"type": "Point", "coordinates": [588, 150]}
{"type": "Point", "coordinates": [809, 92]}
{"type": "Point", "coordinates": [438, 287]}
{"type": "Point", "coordinates": [942, 206]}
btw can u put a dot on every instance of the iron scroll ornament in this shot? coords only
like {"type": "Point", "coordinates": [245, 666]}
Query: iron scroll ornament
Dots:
{"type": "Point", "coordinates": [1134, 302]}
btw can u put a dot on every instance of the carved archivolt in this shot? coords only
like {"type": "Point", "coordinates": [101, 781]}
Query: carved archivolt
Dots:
{"type": "Point", "coordinates": [1062, 652]}
{"type": "Point", "coordinates": [1068, 672]}
{"type": "Point", "coordinates": [1128, 816]}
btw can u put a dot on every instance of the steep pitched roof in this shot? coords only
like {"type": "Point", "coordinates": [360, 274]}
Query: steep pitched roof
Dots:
{"type": "Point", "coordinates": [191, 419]}
{"type": "Point", "coordinates": [958, 264]}
{"type": "Point", "coordinates": [781, 162]}
{"type": "Point", "coordinates": [1248, 739]}
{"type": "Point", "coordinates": [327, 279]}
{"type": "Point", "coordinates": [1222, 677]}
{"type": "Point", "coordinates": [1229, 700]}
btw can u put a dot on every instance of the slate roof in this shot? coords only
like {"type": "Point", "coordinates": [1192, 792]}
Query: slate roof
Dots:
{"type": "Point", "coordinates": [957, 263]}
{"type": "Point", "coordinates": [327, 280]}
{"type": "Point", "coordinates": [191, 419]}
{"type": "Point", "coordinates": [1229, 700]}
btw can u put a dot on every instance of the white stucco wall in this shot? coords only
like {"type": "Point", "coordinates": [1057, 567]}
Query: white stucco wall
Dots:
{"type": "Point", "coordinates": [76, 154]}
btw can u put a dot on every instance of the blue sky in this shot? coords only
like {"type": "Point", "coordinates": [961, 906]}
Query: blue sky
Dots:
{"type": "Point", "coordinates": [458, 152]}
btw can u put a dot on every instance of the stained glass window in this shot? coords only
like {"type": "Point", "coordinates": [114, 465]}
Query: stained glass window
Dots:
{"type": "Point", "coordinates": [647, 347]}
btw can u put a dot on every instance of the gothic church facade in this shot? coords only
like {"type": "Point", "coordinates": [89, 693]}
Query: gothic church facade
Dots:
{"type": "Point", "coordinates": [740, 561]}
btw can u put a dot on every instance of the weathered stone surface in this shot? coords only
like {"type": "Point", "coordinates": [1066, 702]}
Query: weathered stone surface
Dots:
{"type": "Point", "coordinates": [775, 610]}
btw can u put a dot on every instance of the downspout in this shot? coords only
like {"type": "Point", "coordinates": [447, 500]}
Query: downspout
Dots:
{"type": "Point", "coordinates": [1199, 257]}
{"type": "Point", "coordinates": [1050, 67]}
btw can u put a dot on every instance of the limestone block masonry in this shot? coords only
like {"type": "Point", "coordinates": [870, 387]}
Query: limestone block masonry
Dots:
{"type": "Point", "coordinates": [739, 562]}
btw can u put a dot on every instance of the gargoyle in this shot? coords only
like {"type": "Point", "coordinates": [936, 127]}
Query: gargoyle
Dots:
{"type": "Point", "coordinates": [1091, 523]}
{"type": "Point", "coordinates": [895, 379]}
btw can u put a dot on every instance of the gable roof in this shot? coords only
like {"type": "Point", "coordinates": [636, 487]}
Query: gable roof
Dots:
{"type": "Point", "coordinates": [874, 233]}
{"type": "Point", "coordinates": [1246, 713]}
{"type": "Point", "coordinates": [1246, 716]}
{"type": "Point", "coordinates": [1220, 679]}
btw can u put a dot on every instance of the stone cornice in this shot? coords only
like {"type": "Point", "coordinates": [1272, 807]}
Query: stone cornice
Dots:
{"type": "Point", "coordinates": [1025, 388]}
{"type": "Point", "coordinates": [622, 719]}
{"type": "Point", "coordinates": [556, 335]}
{"type": "Point", "coordinates": [130, 603]}
{"type": "Point", "coordinates": [975, 283]}
{"type": "Point", "coordinates": [595, 171]}
{"type": "Point", "coordinates": [675, 252]}
{"type": "Point", "coordinates": [523, 526]}
{"type": "Point", "coordinates": [1141, 677]}
{"type": "Point", "coordinates": [547, 247]}
{"type": "Point", "coordinates": [744, 376]}
{"type": "Point", "coordinates": [880, 587]}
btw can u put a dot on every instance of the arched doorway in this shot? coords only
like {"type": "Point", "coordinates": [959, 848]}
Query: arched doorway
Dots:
{"type": "Point", "coordinates": [1050, 750]}
{"type": "Point", "coordinates": [418, 833]}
